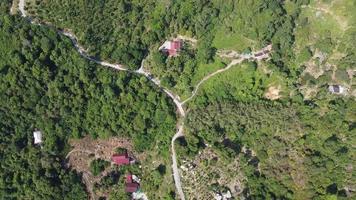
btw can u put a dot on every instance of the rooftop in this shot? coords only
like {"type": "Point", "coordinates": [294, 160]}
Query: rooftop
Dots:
{"type": "Point", "coordinates": [37, 135]}
{"type": "Point", "coordinates": [171, 47]}
{"type": "Point", "coordinates": [121, 159]}
{"type": "Point", "coordinates": [131, 187]}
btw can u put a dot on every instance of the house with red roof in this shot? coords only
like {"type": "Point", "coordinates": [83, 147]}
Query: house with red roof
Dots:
{"type": "Point", "coordinates": [172, 48]}
{"type": "Point", "coordinates": [131, 187]}
{"type": "Point", "coordinates": [121, 159]}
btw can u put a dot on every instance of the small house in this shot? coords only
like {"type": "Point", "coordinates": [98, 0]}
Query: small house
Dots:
{"type": "Point", "coordinates": [337, 89]}
{"type": "Point", "coordinates": [121, 159]}
{"type": "Point", "coordinates": [37, 135]}
{"type": "Point", "coordinates": [131, 187]}
{"type": "Point", "coordinates": [172, 48]}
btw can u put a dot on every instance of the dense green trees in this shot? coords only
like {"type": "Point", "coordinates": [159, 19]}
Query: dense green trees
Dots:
{"type": "Point", "coordinates": [120, 31]}
{"type": "Point", "coordinates": [174, 72]}
{"type": "Point", "coordinates": [65, 94]}
{"type": "Point", "coordinates": [27, 172]}
{"type": "Point", "coordinates": [46, 85]}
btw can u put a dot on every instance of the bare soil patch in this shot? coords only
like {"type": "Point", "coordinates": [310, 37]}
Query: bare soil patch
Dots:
{"type": "Point", "coordinates": [273, 92]}
{"type": "Point", "coordinates": [14, 7]}
{"type": "Point", "coordinates": [86, 150]}
{"type": "Point", "coordinates": [313, 69]}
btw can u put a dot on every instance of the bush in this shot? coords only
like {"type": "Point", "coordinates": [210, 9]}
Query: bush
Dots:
{"type": "Point", "coordinates": [161, 169]}
{"type": "Point", "coordinates": [97, 166]}
{"type": "Point", "coordinates": [341, 75]}
{"type": "Point", "coordinates": [120, 150]}
{"type": "Point", "coordinates": [307, 78]}
{"type": "Point", "coordinates": [305, 55]}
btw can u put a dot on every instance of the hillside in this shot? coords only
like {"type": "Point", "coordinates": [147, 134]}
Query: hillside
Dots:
{"type": "Point", "coordinates": [260, 95]}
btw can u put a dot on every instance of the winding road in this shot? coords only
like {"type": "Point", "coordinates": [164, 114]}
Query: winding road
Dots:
{"type": "Point", "coordinates": [176, 99]}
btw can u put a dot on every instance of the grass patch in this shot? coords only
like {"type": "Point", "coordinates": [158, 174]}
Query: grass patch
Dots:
{"type": "Point", "coordinates": [241, 82]}
{"type": "Point", "coordinates": [233, 41]}
{"type": "Point", "coordinates": [314, 26]}
{"type": "Point", "coordinates": [205, 69]}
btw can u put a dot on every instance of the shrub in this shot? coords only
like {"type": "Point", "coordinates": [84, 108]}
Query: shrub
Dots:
{"type": "Point", "coordinates": [97, 166]}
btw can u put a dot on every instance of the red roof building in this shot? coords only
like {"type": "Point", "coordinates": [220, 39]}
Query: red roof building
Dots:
{"type": "Point", "coordinates": [172, 47]}
{"type": "Point", "coordinates": [176, 45]}
{"type": "Point", "coordinates": [129, 178]}
{"type": "Point", "coordinates": [121, 159]}
{"type": "Point", "coordinates": [131, 187]}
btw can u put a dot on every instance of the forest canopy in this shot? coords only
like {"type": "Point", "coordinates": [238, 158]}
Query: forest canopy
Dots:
{"type": "Point", "coordinates": [46, 85]}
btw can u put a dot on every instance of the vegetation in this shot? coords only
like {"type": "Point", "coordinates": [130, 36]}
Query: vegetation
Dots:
{"type": "Point", "coordinates": [46, 85]}
{"type": "Point", "coordinates": [302, 147]}
{"type": "Point", "coordinates": [303, 142]}
{"type": "Point", "coordinates": [124, 31]}
{"type": "Point", "coordinates": [174, 71]}
{"type": "Point", "coordinates": [98, 165]}
{"type": "Point", "coordinates": [313, 145]}
{"type": "Point", "coordinates": [26, 172]}
{"type": "Point", "coordinates": [121, 150]}
{"type": "Point", "coordinates": [114, 29]}
{"type": "Point", "coordinates": [322, 42]}
{"type": "Point", "coordinates": [63, 94]}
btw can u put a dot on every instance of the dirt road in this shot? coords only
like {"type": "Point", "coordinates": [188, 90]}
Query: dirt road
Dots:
{"type": "Point", "coordinates": [22, 8]}
{"type": "Point", "coordinates": [176, 174]}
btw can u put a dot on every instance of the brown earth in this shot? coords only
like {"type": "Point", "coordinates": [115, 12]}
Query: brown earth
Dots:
{"type": "Point", "coordinates": [273, 92]}
{"type": "Point", "coordinates": [14, 7]}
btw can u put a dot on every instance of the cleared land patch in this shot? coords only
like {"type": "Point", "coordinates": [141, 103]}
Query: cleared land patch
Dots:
{"type": "Point", "coordinates": [86, 150]}
{"type": "Point", "coordinates": [273, 92]}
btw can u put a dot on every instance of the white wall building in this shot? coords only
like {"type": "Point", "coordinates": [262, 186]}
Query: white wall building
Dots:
{"type": "Point", "coordinates": [37, 135]}
{"type": "Point", "coordinates": [337, 89]}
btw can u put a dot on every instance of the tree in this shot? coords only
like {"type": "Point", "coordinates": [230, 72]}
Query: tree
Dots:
{"type": "Point", "coordinates": [97, 166]}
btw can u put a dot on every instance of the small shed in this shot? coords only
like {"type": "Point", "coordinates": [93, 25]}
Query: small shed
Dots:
{"type": "Point", "coordinates": [131, 187]}
{"type": "Point", "coordinates": [337, 89]}
{"type": "Point", "coordinates": [121, 159]}
{"type": "Point", "coordinates": [37, 135]}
